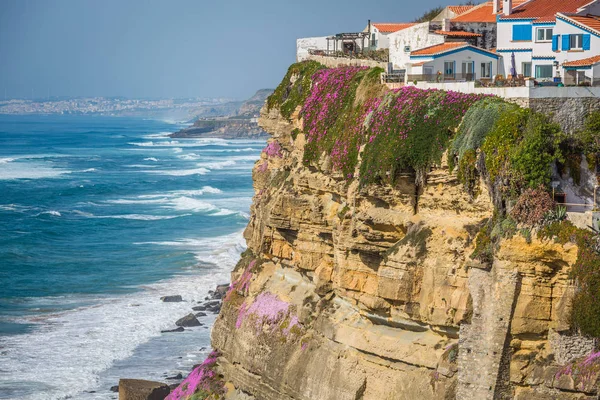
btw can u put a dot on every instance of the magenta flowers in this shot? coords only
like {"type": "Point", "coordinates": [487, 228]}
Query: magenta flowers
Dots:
{"type": "Point", "coordinates": [201, 381]}
{"type": "Point", "coordinates": [273, 149]}
{"type": "Point", "coordinates": [268, 310]}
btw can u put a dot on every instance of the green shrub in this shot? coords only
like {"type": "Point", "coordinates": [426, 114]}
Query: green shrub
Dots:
{"type": "Point", "coordinates": [520, 150]}
{"type": "Point", "coordinates": [589, 137]}
{"type": "Point", "coordinates": [467, 172]}
{"type": "Point", "coordinates": [585, 314]}
{"type": "Point", "coordinates": [532, 207]}
{"type": "Point", "coordinates": [478, 121]}
{"type": "Point", "coordinates": [484, 247]}
{"type": "Point", "coordinates": [409, 132]}
{"type": "Point", "coordinates": [538, 149]}
{"type": "Point", "coordinates": [500, 141]}
{"type": "Point", "coordinates": [294, 88]}
{"type": "Point", "coordinates": [335, 112]}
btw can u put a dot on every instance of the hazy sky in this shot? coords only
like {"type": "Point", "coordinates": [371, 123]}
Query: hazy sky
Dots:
{"type": "Point", "coordinates": [169, 48]}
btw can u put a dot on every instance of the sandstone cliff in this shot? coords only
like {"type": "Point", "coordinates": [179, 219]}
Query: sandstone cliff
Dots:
{"type": "Point", "coordinates": [386, 303]}
{"type": "Point", "coordinates": [369, 291]}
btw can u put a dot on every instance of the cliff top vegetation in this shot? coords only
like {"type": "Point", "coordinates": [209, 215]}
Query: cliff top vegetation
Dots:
{"type": "Point", "coordinates": [376, 135]}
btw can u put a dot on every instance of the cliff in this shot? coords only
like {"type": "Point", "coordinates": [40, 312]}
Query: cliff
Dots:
{"type": "Point", "coordinates": [241, 124]}
{"type": "Point", "coordinates": [361, 283]}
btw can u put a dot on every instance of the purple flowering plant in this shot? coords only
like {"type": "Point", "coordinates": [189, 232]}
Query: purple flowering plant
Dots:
{"type": "Point", "coordinates": [270, 312]}
{"type": "Point", "coordinates": [584, 371]}
{"type": "Point", "coordinates": [202, 383]}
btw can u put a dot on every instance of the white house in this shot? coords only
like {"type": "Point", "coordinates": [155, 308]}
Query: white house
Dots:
{"type": "Point", "coordinates": [381, 31]}
{"type": "Point", "coordinates": [548, 39]}
{"type": "Point", "coordinates": [452, 61]}
{"type": "Point", "coordinates": [473, 24]}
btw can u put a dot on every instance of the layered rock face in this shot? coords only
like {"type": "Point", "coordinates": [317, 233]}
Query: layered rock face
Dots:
{"type": "Point", "coordinates": [370, 293]}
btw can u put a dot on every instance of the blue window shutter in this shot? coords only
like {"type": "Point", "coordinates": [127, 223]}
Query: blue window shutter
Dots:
{"type": "Point", "coordinates": [555, 43]}
{"type": "Point", "coordinates": [516, 32]}
{"type": "Point", "coordinates": [566, 42]}
{"type": "Point", "coordinates": [528, 32]}
{"type": "Point", "coordinates": [522, 32]}
{"type": "Point", "coordinates": [454, 69]}
{"type": "Point", "coordinates": [587, 41]}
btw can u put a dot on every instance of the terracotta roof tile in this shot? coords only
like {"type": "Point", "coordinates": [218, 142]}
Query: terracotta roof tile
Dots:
{"type": "Point", "coordinates": [458, 33]}
{"type": "Point", "coordinates": [385, 27]}
{"type": "Point", "coordinates": [586, 62]}
{"type": "Point", "coordinates": [419, 64]}
{"type": "Point", "coordinates": [545, 10]}
{"type": "Point", "coordinates": [439, 48]}
{"type": "Point", "coordinates": [458, 10]}
{"type": "Point", "coordinates": [590, 21]}
{"type": "Point", "coordinates": [484, 12]}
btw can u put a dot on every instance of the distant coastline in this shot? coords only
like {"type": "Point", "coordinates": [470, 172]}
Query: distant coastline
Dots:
{"type": "Point", "coordinates": [243, 124]}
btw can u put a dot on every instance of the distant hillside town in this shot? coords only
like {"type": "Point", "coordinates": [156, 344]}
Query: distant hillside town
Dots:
{"type": "Point", "coordinates": [499, 43]}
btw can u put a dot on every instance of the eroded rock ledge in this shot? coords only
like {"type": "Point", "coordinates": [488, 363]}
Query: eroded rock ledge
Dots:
{"type": "Point", "coordinates": [347, 293]}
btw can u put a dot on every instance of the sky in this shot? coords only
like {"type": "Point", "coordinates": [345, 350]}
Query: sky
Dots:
{"type": "Point", "coordinates": [169, 48]}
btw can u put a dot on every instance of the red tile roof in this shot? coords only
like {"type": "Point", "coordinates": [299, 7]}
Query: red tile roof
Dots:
{"type": "Point", "coordinates": [484, 12]}
{"type": "Point", "coordinates": [439, 48]}
{"type": "Point", "coordinates": [458, 33]}
{"type": "Point", "coordinates": [481, 13]}
{"type": "Point", "coordinates": [420, 64]}
{"type": "Point", "coordinates": [545, 10]}
{"type": "Point", "coordinates": [586, 62]}
{"type": "Point", "coordinates": [590, 21]}
{"type": "Point", "coordinates": [458, 10]}
{"type": "Point", "coordinates": [385, 27]}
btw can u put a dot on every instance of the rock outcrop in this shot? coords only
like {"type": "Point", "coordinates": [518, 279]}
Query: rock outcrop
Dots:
{"type": "Point", "coordinates": [351, 292]}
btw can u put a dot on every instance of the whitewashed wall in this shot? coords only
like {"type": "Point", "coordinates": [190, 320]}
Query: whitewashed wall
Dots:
{"type": "Point", "coordinates": [417, 37]}
{"type": "Point", "coordinates": [312, 43]}
{"type": "Point", "coordinates": [465, 55]}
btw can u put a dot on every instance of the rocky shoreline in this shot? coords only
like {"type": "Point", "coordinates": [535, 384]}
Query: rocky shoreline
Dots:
{"type": "Point", "coordinates": [138, 389]}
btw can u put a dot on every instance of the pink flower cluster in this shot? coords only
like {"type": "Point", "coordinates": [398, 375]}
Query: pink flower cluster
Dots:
{"type": "Point", "coordinates": [202, 378]}
{"type": "Point", "coordinates": [273, 149]}
{"type": "Point", "coordinates": [267, 309]}
{"type": "Point", "coordinates": [584, 371]}
{"type": "Point", "coordinates": [263, 167]}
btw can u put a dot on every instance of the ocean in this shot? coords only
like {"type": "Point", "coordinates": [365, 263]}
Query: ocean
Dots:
{"type": "Point", "coordinates": [99, 218]}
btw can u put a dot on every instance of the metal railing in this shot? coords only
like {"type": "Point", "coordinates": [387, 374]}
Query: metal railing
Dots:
{"type": "Point", "coordinates": [382, 55]}
{"type": "Point", "coordinates": [394, 77]}
{"type": "Point", "coordinates": [581, 80]}
{"type": "Point", "coordinates": [441, 78]}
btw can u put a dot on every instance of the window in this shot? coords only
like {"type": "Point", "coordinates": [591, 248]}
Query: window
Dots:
{"type": "Point", "coordinates": [407, 49]}
{"type": "Point", "coordinates": [522, 33]}
{"type": "Point", "coordinates": [543, 71]}
{"type": "Point", "coordinates": [526, 69]}
{"type": "Point", "coordinates": [448, 69]}
{"type": "Point", "coordinates": [576, 42]}
{"type": "Point", "coordinates": [486, 70]}
{"type": "Point", "coordinates": [544, 34]}
{"type": "Point", "coordinates": [373, 40]}
{"type": "Point", "coordinates": [467, 70]}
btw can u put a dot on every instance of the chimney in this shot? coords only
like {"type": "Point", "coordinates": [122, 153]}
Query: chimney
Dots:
{"type": "Point", "coordinates": [446, 24]}
{"type": "Point", "coordinates": [507, 7]}
{"type": "Point", "coordinates": [496, 6]}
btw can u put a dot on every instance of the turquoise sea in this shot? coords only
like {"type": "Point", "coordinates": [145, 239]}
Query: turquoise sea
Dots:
{"type": "Point", "coordinates": [99, 218]}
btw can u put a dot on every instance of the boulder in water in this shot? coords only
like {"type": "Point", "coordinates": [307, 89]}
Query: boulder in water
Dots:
{"type": "Point", "coordinates": [137, 389]}
{"type": "Point", "coordinates": [180, 329]}
{"type": "Point", "coordinates": [172, 299]}
{"type": "Point", "coordinates": [188, 321]}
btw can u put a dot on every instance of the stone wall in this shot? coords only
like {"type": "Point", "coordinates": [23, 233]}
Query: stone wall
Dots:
{"type": "Point", "coordinates": [333, 62]}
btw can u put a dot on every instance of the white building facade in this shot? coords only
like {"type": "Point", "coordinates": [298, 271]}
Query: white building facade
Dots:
{"type": "Point", "coordinates": [450, 62]}
{"type": "Point", "coordinates": [542, 38]}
